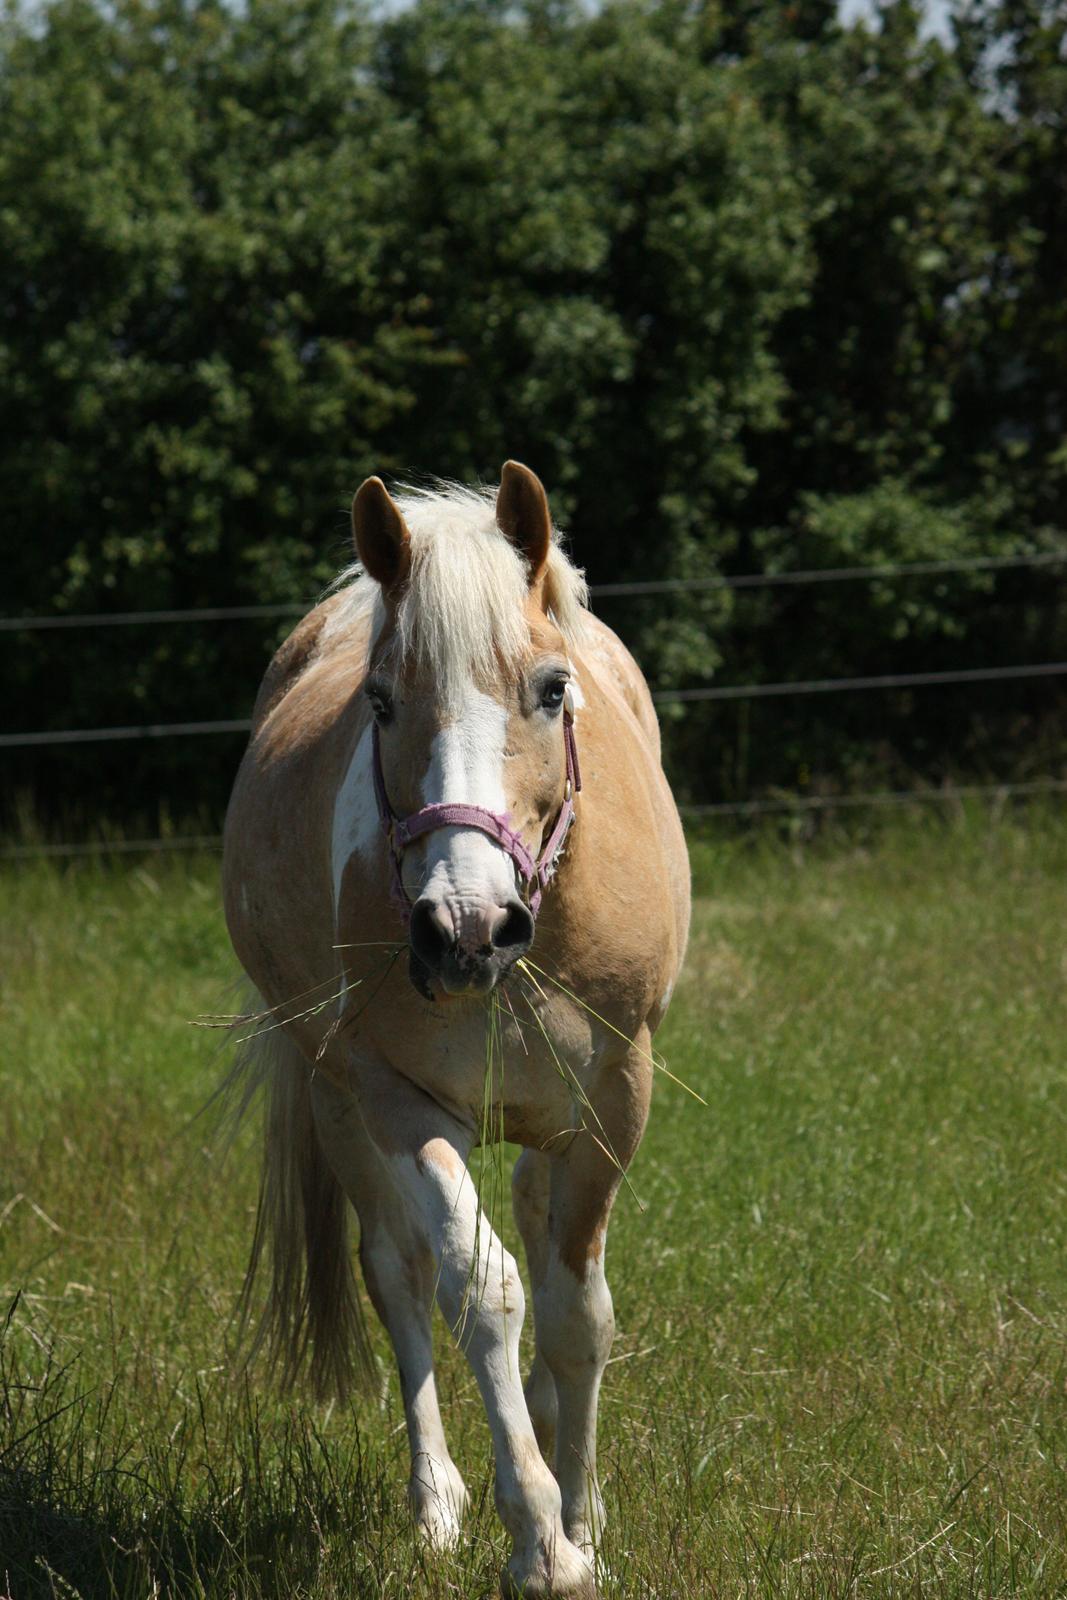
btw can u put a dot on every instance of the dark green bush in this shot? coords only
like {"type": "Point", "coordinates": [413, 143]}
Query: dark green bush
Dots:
{"type": "Point", "coordinates": [751, 290]}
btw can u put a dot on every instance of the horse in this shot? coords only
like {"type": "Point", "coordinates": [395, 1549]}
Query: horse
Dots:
{"type": "Point", "coordinates": [455, 874]}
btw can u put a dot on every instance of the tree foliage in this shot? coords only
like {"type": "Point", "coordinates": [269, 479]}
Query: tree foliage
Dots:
{"type": "Point", "coordinates": [750, 289]}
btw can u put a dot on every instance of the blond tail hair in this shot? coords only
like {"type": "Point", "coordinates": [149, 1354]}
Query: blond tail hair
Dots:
{"type": "Point", "coordinates": [310, 1325]}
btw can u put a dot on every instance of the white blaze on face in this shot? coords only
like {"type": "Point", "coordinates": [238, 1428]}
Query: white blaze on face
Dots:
{"type": "Point", "coordinates": [461, 870]}
{"type": "Point", "coordinates": [355, 814]}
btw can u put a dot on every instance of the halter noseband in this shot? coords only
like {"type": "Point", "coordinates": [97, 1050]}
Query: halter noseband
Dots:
{"type": "Point", "coordinates": [535, 876]}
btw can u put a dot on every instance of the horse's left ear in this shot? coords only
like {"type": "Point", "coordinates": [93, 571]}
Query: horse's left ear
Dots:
{"type": "Point", "coordinates": [522, 515]}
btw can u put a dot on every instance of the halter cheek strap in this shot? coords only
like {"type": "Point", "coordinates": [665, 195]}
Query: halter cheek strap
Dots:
{"type": "Point", "coordinates": [534, 875]}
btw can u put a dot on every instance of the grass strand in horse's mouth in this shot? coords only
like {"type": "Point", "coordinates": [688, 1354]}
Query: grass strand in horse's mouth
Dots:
{"type": "Point", "coordinates": [270, 1015]}
{"type": "Point", "coordinates": [573, 1083]}
{"type": "Point", "coordinates": [233, 1019]}
{"type": "Point", "coordinates": [491, 1139]}
{"type": "Point", "coordinates": [658, 1062]}
{"type": "Point", "coordinates": [372, 944]}
{"type": "Point", "coordinates": [347, 1020]}
{"type": "Point", "coordinates": [254, 1019]}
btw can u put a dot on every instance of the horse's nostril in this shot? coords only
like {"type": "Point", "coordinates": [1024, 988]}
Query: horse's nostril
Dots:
{"type": "Point", "coordinates": [517, 928]}
{"type": "Point", "coordinates": [430, 938]}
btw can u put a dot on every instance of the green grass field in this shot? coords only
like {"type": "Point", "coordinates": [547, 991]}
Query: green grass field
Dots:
{"type": "Point", "coordinates": [841, 1360]}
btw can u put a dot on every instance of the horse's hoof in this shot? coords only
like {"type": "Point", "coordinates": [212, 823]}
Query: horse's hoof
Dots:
{"type": "Point", "coordinates": [439, 1527]}
{"type": "Point", "coordinates": [438, 1499]}
{"type": "Point", "coordinates": [584, 1588]}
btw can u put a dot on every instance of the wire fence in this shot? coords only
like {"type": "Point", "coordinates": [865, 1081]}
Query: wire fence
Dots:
{"type": "Point", "coordinates": [44, 738]}
{"type": "Point", "coordinates": [204, 842]}
{"type": "Point", "coordinates": [599, 591]}
{"type": "Point", "coordinates": [956, 795]}
{"type": "Point", "coordinates": [147, 730]}
{"type": "Point", "coordinates": [950, 795]}
{"type": "Point", "coordinates": [890, 680]}
{"type": "Point", "coordinates": [735, 691]}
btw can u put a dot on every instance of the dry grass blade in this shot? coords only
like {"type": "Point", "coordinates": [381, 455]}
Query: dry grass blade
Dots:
{"type": "Point", "coordinates": [237, 1019]}
{"type": "Point", "coordinates": [373, 944]}
{"type": "Point", "coordinates": [573, 1083]}
{"type": "Point", "coordinates": [650, 1056]}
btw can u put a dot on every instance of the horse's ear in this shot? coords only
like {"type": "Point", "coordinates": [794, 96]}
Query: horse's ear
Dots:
{"type": "Point", "coordinates": [522, 515]}
{"type": "Point", "coordinates": [383, 543]}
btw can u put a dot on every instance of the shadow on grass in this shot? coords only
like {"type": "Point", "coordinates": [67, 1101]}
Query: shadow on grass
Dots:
{"type": "Point", "coordinates": [55, 1544]}
{"type": "Point", "coordinates": [220, 1501]}
{"type": "Point", "coordinates": [117, 1536]}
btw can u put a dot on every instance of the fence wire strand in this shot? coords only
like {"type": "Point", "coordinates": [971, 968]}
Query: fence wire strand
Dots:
{"type": "Point", "coordinates": [149, 730]}
{"type": "Point", "coordinates": [737, 691]}
{"type": "Point", "coordinates": [666, 696]}
{"type": "Point", "coordinates": [599, 591]}
{"type": "Point", "coordinates": [879, 797]}
{"type": "Point", "coordinates": [786, 804]}
{"type": "Point", "coordinates": [891, 680]}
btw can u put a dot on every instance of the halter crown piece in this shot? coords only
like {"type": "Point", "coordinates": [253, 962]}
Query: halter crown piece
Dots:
{"type": "Point", "coordinates": [534, 875]}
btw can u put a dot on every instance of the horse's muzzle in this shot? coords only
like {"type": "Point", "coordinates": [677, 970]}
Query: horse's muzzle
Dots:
{"type": "Point", "coordinates": [468, 965]}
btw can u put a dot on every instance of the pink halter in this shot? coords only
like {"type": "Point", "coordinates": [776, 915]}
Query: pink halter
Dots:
{"type": "Point", "coordinates": [534, 875]}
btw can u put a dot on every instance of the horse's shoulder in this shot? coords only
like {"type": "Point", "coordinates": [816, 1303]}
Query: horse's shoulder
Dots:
{"type": "Point", "coordinates": [608, 659]}
{"type": "Point", "coordinates": [311, 641]}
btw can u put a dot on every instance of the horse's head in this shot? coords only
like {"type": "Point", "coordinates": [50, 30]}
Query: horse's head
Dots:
{"type": "Point", "coordinates": [470, 685]}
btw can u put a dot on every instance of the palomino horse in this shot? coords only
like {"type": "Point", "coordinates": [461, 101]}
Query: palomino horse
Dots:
{"type": "Point", "coordinates": [411, 789]}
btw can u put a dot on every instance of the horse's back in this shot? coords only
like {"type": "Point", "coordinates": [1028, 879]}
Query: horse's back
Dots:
{"type": "Point", "coordinates": [309, 641]}
{"type": "Point", "coordinates": [636, 851]}
{"type": "Point", "coordinates": [276, 867]}
{"type": "Point", "coordinates": [609, 659]}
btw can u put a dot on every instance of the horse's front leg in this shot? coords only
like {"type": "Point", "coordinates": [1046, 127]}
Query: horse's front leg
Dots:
{"type": "Point", "coordinates": [400, 1274]}
{"type": "Point", "coordinates": [480, 1293]}
{"type": "Point", "coordinates": [575, 1321]}
{"type": "Point", "coordinates": [529, 1198]}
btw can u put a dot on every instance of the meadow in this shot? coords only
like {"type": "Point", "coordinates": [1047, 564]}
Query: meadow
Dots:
{"type": "Point", "coordinates": [842, 1311]}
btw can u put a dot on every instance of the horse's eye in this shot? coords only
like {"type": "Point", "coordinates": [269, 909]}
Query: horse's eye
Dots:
{"type": "Point", "coordinates": [380, 703]}
{"type": "Point", "coordinates": [552, 694]}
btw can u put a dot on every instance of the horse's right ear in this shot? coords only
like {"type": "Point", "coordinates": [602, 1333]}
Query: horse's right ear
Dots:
{"type": "Point", "coordinates": [383, 543]}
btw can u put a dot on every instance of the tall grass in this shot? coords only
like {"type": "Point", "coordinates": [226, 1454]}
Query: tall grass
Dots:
{"type": "Point", "coordinates": [841, 1367]}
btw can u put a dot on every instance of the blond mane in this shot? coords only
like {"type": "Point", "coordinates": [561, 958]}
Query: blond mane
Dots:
{"type": "Point", "coordinates": [462, 612]}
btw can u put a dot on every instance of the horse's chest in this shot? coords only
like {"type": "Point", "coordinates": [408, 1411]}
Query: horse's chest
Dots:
{"type": "Point", "coordinates": [515, 1070]}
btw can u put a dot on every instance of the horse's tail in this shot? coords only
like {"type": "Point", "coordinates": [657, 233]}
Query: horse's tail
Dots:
{"type": "Point", "coordinates": [311, 1321]}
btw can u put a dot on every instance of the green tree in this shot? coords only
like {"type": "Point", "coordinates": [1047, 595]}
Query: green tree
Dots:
{"type": "Point", "coordinates": [203, 337]}
{"type": "Point", "coordinates": [749, 288]}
